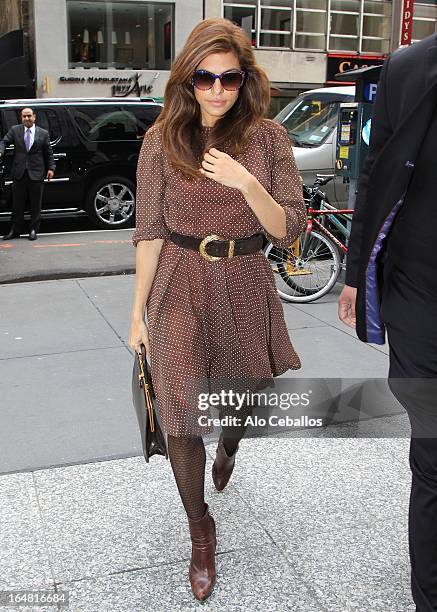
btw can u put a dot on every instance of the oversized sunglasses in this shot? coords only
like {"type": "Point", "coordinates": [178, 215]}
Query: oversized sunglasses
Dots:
{"type": "Point", "coordinates": [230, 79]}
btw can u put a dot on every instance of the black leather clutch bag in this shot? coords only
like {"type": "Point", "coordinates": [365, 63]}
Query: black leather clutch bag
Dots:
{"type": "Point", "coordinates": [144, 400]}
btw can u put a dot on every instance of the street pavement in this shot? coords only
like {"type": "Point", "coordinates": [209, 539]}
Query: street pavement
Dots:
{"type": "Point", "coordinates": [66, 255]}
{"type": "Point", "coordinates": [310, 521]}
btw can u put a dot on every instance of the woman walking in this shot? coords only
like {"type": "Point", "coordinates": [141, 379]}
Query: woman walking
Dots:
{"type": "Point", "coordinates": [213, 176]}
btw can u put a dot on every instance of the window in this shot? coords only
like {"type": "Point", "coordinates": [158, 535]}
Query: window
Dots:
{"type": "Point", "coordinates": [120, 34]}
{"type": "Point", "coordinates": [344, 26]}
{"type": "Point", "coordinates": [309, 121]}
{"type": "Point", "coordinates": [276, 19]}
{"type": "Point", "coordinates": [47, 118]}
{"type": "Point", "coordinates": [359, 26]}
{"type": "Point", "coordinates": [376, 26]}
{"type": "Point", "coordinates": [310, 24]}
{"type": "Point", "coordinates": [143, 116]}
{"type": "Point", "coordinates": [362, 26]}
{"type": "Point", "coordinates": [11, 118]}
{"type": "Point", "coordinates": [103, 123]}
{"type": "Point", "coordinates": [244, 15]}
{"type": "Point", "coordinates": [424, 20]}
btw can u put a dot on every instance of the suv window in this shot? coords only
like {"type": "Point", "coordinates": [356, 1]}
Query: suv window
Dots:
{"type": "Point", "coordinates": [46, 118]}
{"type": "Point", "coordinates": [10, 118]}
{"type": "Point", "coordinates": [144, 116]}
{"type": "Point", "coordinates": [106, 122]}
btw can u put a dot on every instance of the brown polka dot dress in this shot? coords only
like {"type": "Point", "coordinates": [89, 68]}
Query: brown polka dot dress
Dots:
{"type": "Point", "coordinates": [218, 319]}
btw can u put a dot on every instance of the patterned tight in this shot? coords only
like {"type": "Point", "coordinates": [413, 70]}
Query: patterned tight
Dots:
{"type": "Point", "coordinates": [232, 434]}
{"type": "Point", "coordinates": [188, 459]}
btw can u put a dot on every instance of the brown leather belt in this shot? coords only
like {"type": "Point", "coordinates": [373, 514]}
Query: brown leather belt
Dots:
{"type": "Point", "coordinates": [215, 247]}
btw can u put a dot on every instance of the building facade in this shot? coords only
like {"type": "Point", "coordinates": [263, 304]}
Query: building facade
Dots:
{"type": "Point", "coordinates": [86, 48]}
{"type": "Point", "coordinates": [99, 48]}
{"type": "Point", "coordinates": [304, 43]}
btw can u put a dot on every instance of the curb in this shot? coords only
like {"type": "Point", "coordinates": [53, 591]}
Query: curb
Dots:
{"type": "Point", "coordinates": [46, 276]}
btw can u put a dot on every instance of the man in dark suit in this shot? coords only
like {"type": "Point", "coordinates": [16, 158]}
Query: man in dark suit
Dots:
{"type": "Point", "coordinates": [391, 276]}
{"type": "Point", "coordinates": [33, 161]}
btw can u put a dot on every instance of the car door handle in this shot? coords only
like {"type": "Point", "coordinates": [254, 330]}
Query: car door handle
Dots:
{"type": "Point", "coordinates": [59, 155]}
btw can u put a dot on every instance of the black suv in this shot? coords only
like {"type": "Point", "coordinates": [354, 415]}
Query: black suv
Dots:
{"type": "Point", "coordinates": [96, 143]}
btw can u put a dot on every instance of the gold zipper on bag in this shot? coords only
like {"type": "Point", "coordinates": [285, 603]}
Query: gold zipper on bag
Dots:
{"type": "Point", "coordinates": [146, 388]}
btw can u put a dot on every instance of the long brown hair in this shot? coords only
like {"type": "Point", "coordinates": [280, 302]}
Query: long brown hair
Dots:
{"type": "Point", "coordinates": [179, 120]}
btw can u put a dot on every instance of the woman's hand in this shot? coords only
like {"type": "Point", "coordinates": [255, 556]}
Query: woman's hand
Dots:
{"type": "Point", "coordinates": [139, 334]}
{"type": "Point", "coordinates": [221, 167]}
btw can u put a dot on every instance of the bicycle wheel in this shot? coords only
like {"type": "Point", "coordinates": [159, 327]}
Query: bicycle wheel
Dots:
{"type": "Point", "coordinates": [307, 270]}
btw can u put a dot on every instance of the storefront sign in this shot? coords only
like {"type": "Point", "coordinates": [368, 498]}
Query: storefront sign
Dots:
{"type": "Point", "coordinates": [341, 63]}
{"type": "Point", "coordinates": [407, 22]}
{"type": "Point", "coordinates": [120, 86]}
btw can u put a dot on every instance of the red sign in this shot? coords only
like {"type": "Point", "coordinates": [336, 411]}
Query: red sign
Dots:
{"type": "Point", "coordinates": [337, 62]}
{"type": "Point", "coordinates": [407, 22]}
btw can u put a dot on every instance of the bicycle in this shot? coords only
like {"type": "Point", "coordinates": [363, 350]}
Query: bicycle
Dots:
{"type": "Point", "coordinates": [310, 267]}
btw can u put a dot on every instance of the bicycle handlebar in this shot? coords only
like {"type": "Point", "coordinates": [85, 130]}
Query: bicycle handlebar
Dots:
{"type": "Point", "coordinates": [322, 179]}
{"type": "Point", "coordinates": [313, 193]}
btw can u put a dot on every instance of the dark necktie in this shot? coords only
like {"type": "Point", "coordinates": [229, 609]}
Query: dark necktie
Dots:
{"type": "Point", "coordinates": [27, 139]}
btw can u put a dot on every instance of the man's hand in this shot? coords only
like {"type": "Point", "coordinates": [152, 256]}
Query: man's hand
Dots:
{"type": "Point", "coordinates": [50, 175]}
{"type": "Point", "coordinates": [346, 306]}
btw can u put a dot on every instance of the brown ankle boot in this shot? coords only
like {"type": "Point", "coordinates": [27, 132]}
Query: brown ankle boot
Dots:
{"type": "Point", "coordinates": [202, 572]}
{"type": "Point", "coordinates": [223, 465]}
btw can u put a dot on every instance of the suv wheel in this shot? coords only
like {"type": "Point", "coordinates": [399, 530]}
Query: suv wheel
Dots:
{"type": "Point", "coordinates": [110, 202]}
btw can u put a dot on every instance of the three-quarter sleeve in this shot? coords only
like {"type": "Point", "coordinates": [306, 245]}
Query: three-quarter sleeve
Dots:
{"type": "Point", "coordinates": [286, 187]}
{"type": "Point", "coordinates": [150, 222]}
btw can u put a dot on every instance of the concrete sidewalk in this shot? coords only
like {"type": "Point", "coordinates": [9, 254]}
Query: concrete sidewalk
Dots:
{"type": "Point", "coordinates": [309, 522]}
